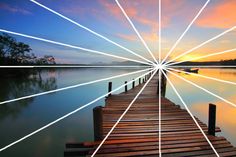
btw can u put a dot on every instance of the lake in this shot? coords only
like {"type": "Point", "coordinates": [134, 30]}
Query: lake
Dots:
{"type": "Point", "coordinates": [20, 118]}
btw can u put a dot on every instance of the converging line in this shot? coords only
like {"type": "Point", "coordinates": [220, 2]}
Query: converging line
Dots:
{"type": "Point", "coordinates": [186, 30]}
{"type": "Point", "coordinates": [200, 45]}
{"type": "Point", "coordinates": [72, 46]}
{"type": "Point", "coordinates": [69, 114]}
{"type": "Point", "coordinates": [73, 66]}
{"type": "Point", "coordinates": [205, 56]}
{"type": "Point", "coordinates": [89, 30]}
{"type": "Point", "coordinates": [70, 87]}
{"type": "Point", "coordinates": [136, 31]}
{"type": "Point", "coordinates": [159, 95]}
{"type": "Point", "coordinates": [159, 32]}
{"type": "Point", "coordinates": [186, 107]}
{"type": "Point", "coordinates": [123, 114]}
{"type": "Point", "coordinates": [206, 77]}
{"type": "Point", "coordinates": [207, 91]}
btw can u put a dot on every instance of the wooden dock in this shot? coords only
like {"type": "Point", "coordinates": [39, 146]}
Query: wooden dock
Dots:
{"type": "Point", "coordinates": [137, 132]}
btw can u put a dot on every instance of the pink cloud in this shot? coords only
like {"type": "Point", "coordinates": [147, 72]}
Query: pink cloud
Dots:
{"type": "Point", "coordinates": [128, 37]}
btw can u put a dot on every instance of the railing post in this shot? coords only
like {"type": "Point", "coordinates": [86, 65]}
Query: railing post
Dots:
{"type": "Point", "coordinates": [212, 119]}
{"type": "Point", "coordinates": [133, 84]}
{"type": "Point", "coordinates": [126, 87]}
{"type": "Point", "coordinates": [97, 123]}
{"type": "Point", "coordinates": [109, 88]}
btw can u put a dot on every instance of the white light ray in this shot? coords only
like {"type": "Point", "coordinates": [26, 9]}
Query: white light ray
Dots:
{"type": "Point", "coordinates": [207, 91]}
{"type": "Point", "coordinates": [159, 97]}
{"type": "Point", "coordinates": [202, 44]}
{"type": "Point", "coordinates": [203, 76]}
{"type": "Point", "coordinates": [73, 66]}
{"type": "Point", "coordinates": [89, 30]}
{"type": "Point", "coordinates": [136, 31]}
{"type": "Point", "coordinates": [186, 30]}
{"type": "Point", "coordinates": [123, 114]}
{"type": "Point", "coordinates": [205, 56]}
{"type": "Point", "coordinates": [159, 32]}
{"type": "Point", "coordinates": [69, 114]}
{"type": "Point", "coordinates": [204, 66]}
{"type": "Point", "coordinates": [71, 87]}
{"type": "Point", "coordinates": [72, 46]}
{"type": "Point", "coordinates": [186, 107]}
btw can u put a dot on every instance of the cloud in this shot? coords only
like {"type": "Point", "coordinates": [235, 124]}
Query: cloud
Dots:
{"type": "Point", "coordinates": [222, 15]}
{"type": "Point", "coordinates": [127, 37]}
{"type": "Point", "coordinates": [149, 37]}
{"type": "Point", "coordinates": [14, 9]}
{"type": "Point", "coordinates": [138, 12]}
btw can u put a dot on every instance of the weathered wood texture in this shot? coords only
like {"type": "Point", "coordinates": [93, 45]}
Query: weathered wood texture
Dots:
{"type": "Point", "coordinates": [137, 133]}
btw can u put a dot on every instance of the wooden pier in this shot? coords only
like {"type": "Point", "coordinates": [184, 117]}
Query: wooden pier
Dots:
{"type": "Point", "coordinates": [137, 132]}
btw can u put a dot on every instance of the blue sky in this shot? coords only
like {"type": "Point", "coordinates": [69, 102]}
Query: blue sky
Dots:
{"type": "Point", "coordinates": [105, 17]}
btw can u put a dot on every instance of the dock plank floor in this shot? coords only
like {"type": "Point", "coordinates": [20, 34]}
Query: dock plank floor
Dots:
{"type": "Point", "coordinates": [137, 132]}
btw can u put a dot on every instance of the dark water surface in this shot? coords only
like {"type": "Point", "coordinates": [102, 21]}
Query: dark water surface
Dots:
{"type": "Point", "coordinates": [20, 118]}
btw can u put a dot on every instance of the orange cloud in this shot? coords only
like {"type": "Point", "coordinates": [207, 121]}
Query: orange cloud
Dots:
{"type": "Point", "coordinates": [222, 15]}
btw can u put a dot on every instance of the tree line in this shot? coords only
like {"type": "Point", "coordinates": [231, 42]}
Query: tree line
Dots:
{"type": "Point", "coordinates": [13, 52]}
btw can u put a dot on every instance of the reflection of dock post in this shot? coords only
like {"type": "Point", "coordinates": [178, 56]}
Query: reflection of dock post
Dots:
{"type": "Point", "coordinates": [97, 123]}
{"type": "Point", "coordinates": [212, 119]}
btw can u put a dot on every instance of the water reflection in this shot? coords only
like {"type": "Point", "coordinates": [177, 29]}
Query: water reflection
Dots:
{"type": "Point", "coordinates": [24, 84]}
{"type": "Point", "coordinates": [29, 115]}
{"type": "Point", "coordinates": [198, 100]}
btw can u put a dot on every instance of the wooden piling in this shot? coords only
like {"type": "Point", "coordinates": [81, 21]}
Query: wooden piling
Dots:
{"type": "Point", "coordinates": [136, 134]}
{"type": "Point", "coordinates": [126, 87]}
{"type": "Point", "coordinates": [212, 119]}
{"type": "Point", "coordinates": [133, 83]}
{"type": "Point", "coordinates": [97, 123]}
{"type": "Point", "coordinates": [139, 80]}
{"type": "Point", "coordinates": [163, 85]}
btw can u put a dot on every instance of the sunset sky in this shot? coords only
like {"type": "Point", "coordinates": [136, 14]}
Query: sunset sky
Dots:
{"type": "Point", "coordinates": [106, 18]}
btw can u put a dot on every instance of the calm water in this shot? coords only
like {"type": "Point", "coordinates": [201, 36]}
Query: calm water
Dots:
{"type": "Point", "coordinates": [21, 118]}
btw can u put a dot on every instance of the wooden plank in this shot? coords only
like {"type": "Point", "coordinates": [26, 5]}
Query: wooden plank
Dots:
{"type": "Point", "coordinates": [137, 133]}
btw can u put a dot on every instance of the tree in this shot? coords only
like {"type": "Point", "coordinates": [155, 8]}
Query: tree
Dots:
{"type": "Point", "coordinates": [47, 59]}
{"type": "Point", "coordinates": [13, 52]}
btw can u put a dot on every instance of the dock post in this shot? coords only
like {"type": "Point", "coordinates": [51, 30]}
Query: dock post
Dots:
{"type": "Point", "coordinates": [139, 80]}
{"type": "Point", "coordinates": [97, 123]}
{"type": "Point", "coordinates": [212, 119]}
{"type": "Point", "coordinates": [126, 87]}
{"type": "Point", "coordinates": [109, 88]}
{"type": "Point", "coordinates": [163, 85]}
{"type": "Point", "coordinates": [133, 83]}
